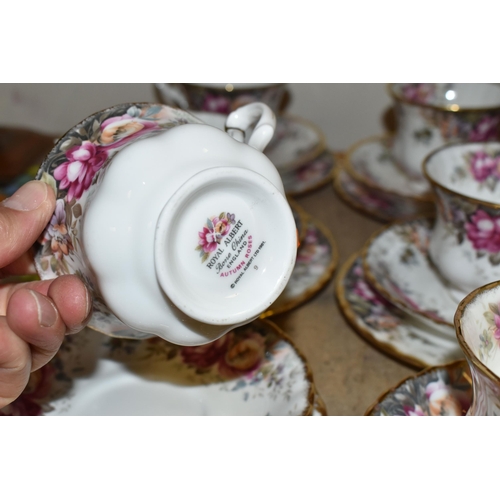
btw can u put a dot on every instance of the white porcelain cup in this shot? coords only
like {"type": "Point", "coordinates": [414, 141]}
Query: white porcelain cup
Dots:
{"type": "Point", "coordinates": [180, 230]}
{"type": "Point", "coordinates": [223, 97]}
{"type": "Point", "coordinates": [430, 115]}
{"type": "Point", "coordinates": [465, 241]}
{"type": "Point", "coordinates": [477, 324]}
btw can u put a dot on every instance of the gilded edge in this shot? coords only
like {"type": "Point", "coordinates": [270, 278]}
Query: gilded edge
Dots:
{"type": "Point", "coordinates": [460, 336]}
{"type": "Point", "coordinates": [427, 197]}
{"type": "Point", "coordinates": [365, 333]}
{"type": "Point", "coordinates": [322, 281]}
{"type": "Point", "coordinates": [461, 363]}
{"type": "Point", "coordinates": [380, 289]}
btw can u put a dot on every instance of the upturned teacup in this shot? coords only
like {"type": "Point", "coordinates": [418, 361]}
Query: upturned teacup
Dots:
{"type": "Point", "coordinates": [223, 97]}
{"type": "Point", "coordinates": [477, 325]}
{"type": "Point", "coordinates": [430, 115]}
{"type": "Point", "coordinates": [465, 241]}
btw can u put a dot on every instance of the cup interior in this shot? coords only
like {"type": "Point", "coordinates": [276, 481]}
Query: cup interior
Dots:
{"type": "Point", "coordinates": [471, 169]}
{"type": "Point", "coordinates": [480, 326]}
{"type": "Point", "coordinates": [453, 96]}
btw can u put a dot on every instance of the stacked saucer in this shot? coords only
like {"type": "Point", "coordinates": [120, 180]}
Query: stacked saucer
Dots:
{"type": "Point", "coordinates": [402, 291]}
{"type": "Point", "coordinates": [382, 176]}
{"type": "Point", "coordinates": [298, 148]}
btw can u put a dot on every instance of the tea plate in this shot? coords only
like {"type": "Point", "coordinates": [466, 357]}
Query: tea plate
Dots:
{"type": "Point", "coordinates": [376, 202]}
{"type": "Point", "coordinates": [386, 326]}
{"type": "Point", "coordinates": [252, 370]}
{"type": "Point", "coordinates": [370, 162]}
{"type": "Point", "coordinates": [317, 259]}
{"type": "Point", "coordinates": [435, 392]}
{"type": "Point", "coordinates": [397, 264]}
{"type": "Point", "coordinates": [309, 176]}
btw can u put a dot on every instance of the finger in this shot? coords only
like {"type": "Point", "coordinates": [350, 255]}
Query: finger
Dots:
{"type": "Point", "coordinates": [23, 217]}
{"type": "Point", "coordinates": [72, 300]}
{"type": "Point", "coordinates": [6, 291]}
{"type": "Point", "coordinates": [34, 318]}
{"type": "Point", "coordinates": [15, 364]}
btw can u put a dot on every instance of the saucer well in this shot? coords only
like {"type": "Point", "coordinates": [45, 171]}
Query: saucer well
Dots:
{"type": "Point", "coordinates": [253, 370]}
{"type": "Point", "coordinates": [376, 202]}
{"type": "Point", "coordinates": [309, 176]}
{"type": "Point", "coordinates": [396, 263]}
{"type": "Point", "coordinates": [317, 259]}
{"type": "Point", "coordinates": [387, 327]}
{"type": "Point", "coordinates": [438, 391]}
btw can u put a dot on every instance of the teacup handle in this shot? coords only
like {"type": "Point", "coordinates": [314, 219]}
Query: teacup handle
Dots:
{"type": "Point", "coordinates": [173, 94]}
{"type": "Point", "coordinates": [242, 118]}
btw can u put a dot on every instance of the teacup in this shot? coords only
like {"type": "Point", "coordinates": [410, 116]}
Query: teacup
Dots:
{"type": "Point", "coordinates": [465, 241]}
{"type": "Point", "coordinates": [430, 115]}
{"type": "Point", "coordinates": [477, 324]}
{"type": "Point", "coordinates": [179, 229]}
{"type": "Point", "coordinates": [223, 97]}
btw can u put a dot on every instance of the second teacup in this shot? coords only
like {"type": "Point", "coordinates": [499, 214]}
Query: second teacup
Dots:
{"type": "Point", "coordinates": [430, 115]}
{"type": "Point", "coordinates": [223, 97]}
{"type": "Point", "coordinates": [465, 242]}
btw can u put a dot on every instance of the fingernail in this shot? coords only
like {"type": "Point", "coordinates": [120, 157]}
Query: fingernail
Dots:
{"type": "Point", "coordinates": [88, 312]}
{"type": "Point", "coordinates": [28, 197]}
{"type": "Point", "coordinates": [47, 313]}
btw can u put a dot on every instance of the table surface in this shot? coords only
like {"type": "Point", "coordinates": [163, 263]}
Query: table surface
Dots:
{"type": "Point", "coordinates": [349, 373]}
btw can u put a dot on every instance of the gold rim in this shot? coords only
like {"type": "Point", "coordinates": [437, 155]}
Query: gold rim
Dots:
{"type": "Point", "coordinates": [365, 333]}
{"type": "Point", "coordinates": [437, 184]}
{"type": "Point", "coordinates": [461, 363]}
{"type": "Point", "coordinates": [460, 336]}
{"type": "Point", "coordinates": [322, 281]}
{"type": "Point", "coordinates": [435, 107]}
{"type": "Point", "coordinates": [308, 372]}
{"type": "Point", "coordinates": [319, 404]}
{"type": "Point", "coordinates": [427, 197]}
{"type": "Point", "coordinates": [320, 183]}
{"type": "Point", "coordinates": [311, 155]}
{"type": "Point", "coordinates": [302, 214]}
{"type": "Point", "coordinates": [380, 289]}
{"type": "Point", "coordinates": [377, 215]}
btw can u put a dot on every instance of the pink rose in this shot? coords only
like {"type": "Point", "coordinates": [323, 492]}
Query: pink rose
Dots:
{"type": "Point", "coordinates": [497, 330]}
{"type": "Point", "coordinates": [418, 92]}
{"type": "Point", "coordinates": [216, 104]}
{"type": "Point", "coordinates": [486, 129]}
{"type": "Point", "coordinates": [482, 165]}
{"type": "Point", "coordinates": [441, 401]}
{"type": "Point", "coordinates": [484, 232]}
{"type": "Point", "coordinates": [206, 355]}
{"type": "Point", "coordinates": [77, 173]}
{"type": "Point", "coordinates": [208, 239]}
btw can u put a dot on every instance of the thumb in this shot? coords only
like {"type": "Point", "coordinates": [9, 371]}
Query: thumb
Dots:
{"type": "Point", "coordinates": [23, 217]}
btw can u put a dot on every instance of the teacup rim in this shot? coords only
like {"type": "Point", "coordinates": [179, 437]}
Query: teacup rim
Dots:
{"type": "Point", "coordinates": [435, 183]}
{"type": "Point", "coordinates": [459, 313]}
{"type": "Point", "coordinates": [436, 107]}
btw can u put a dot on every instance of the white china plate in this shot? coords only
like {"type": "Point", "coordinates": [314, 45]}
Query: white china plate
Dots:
{"type": "Point", "coordinates": [295, 142]}
{"type": "Point", "coordinates": [317, 259]}
{"type": "Point", "coordinates": [397, 264]}
{"type": "Point", "coordinates": [435, 392]}
{"type": "Point", "coordinates": [253, 370]}
{"type": "Point", "coordinates": [386, 326]}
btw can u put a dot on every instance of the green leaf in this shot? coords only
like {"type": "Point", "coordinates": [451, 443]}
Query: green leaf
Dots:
{"type": "Point", "coordinates": [204, 258]}
{"type": "Point", "coordinates": [494, 308]}
{"type": "Point", "coordinates": [209, 224]}
{"type": "Point", "coordinates": [222, 215]}
{"type": "Point", "coordinates": [77, 210]}
{"type": "Point", "coordinates": [198, 248]}
{"type": "Point", "coordinates": [48, 179]}
{"type": "Point", "coordinates": [490, 317]}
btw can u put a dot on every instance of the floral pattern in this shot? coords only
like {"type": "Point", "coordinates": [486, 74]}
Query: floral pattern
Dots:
{"type": "Point", "coordinates": [212, 233]}
{"type": "Point", "coordinates": [470, 221]}
{"type": "Point", "coordinates": [249, 366]}
{"type": "Point", "coordinates": [74, 169]}
{"type": "Point", "coordinates": [440, 391]}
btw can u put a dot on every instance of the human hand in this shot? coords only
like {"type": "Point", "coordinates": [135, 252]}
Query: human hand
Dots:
{"type": "Point", "coordinates": [35, 316]}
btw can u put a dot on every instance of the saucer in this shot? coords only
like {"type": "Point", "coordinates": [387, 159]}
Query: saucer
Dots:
{"type": "Point", "coordinates": [309, 176]}
{"type": "Point", "coordinates": [438, 391]}
{"type": "Point", "coordinates": [397, 264]}
{"type": "Point", "coordinates": [317, 259]}
{"type": "Point", "coordinates": [300, 217]}
{"type": "Point", "coordinates": [371, 163]}
{"type": "Point", "coordinates": [386, 326]}
{"type": "Point", "coordinates": [252, 370]}
{"type": "Point", "coordinates": [376, 202]}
